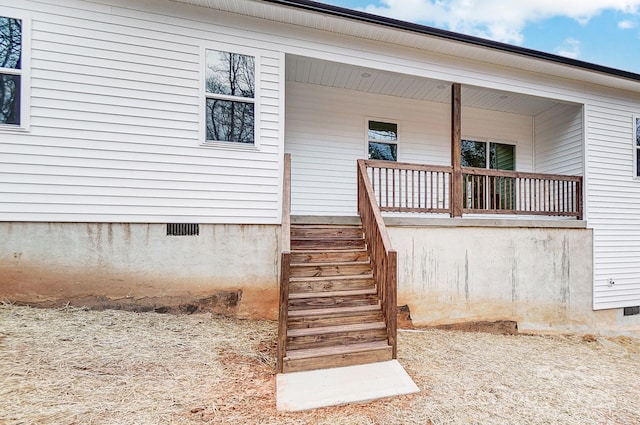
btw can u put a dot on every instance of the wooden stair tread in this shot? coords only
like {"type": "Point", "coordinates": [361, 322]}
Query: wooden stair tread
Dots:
{"type": "Point", "coordinates": [321, 330]}
{"type": "Point", "coordinates": [326, 226]}
{"type": "Point", "coordinates": [330, 251]}
{"type": "Point", "coordinates": [334, 310]}
{"type": "Point", "coordinates": [306, 353]}
{"type": "Point", "coordinates": [329, 294]}
{"type": "Point", "coordinates": [339, 277]}
{"type": "Point", "coordinates": [332, 264]}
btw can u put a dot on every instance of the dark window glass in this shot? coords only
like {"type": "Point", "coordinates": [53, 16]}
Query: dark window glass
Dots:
{"type": "Point", "coordinates": [230, 74]}
{"type": "Point", "coordinates": [10, 99]}
{"type": "Point", "coordinates": [229, 121]}
{"type": "Point", "coordinates": [474, 154]}
{"type": "Point", "coordinates": [383, 151]}
{"type": "Point", "coordinates": [383, 131]}
{"type": "Point", "coordinates": [10, 43]}
{"type": "Point", "coordinates": [502, 157]}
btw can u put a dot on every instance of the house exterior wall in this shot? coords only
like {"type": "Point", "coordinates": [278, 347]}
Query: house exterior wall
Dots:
{"type": "Point", "coordinates": [327, 136]}
{"type": "Point", "coordinates": [539, 277]}
{"type": "Point", "coordinates": [559, 139]}
{"type": "Point", "coordinates": [226, 268]}
{"type": "Point", "coordinates": [115, 122]}
{"type": "Point", "coordinates": [613, 200]}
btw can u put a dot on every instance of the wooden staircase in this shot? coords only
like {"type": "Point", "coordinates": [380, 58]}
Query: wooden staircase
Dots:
{"type": "Point", "coordinates": [334, 317]}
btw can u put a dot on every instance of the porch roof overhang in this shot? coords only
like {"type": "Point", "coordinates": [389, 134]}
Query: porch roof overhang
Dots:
{"type": "Point", "coordinates": [355, 23]}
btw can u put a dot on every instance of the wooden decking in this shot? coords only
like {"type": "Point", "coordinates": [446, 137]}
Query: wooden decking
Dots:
{"type": "Point", "coordinates": [334, 316]}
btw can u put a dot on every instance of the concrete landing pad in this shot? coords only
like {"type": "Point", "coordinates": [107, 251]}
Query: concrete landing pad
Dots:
{"type": "Point", "coordinates": [342, 385]}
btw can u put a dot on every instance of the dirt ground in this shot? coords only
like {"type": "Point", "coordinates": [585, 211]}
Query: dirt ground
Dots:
{"type": "Point", "coordinates": [75, 366]}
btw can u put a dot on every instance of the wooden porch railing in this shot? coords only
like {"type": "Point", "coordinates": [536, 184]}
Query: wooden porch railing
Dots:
{"type": "Point", "coordinates": [512, 192]}
{"type": "Point", "coordinates": [384, 259]}
{"type": "Point", "coordinates": [285, 263]}
{"type": "Point", "coordinates": [402, 187]}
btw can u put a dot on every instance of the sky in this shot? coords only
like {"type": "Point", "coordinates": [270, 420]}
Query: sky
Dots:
{"type": "Point", "coordinates": [604, 32]}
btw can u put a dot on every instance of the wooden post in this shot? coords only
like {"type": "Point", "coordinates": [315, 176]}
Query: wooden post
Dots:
{"type": "Point", "coordinates": [456, 151]}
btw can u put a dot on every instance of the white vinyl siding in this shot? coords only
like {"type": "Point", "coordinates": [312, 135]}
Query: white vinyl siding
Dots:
{"type": "Point", "coordinates": [115, 119]}
{"type": "Point", "coordinates": [613, 202]}
{"type": "Point", "coordinates": [325, 137]}
{"type": "Point", "coordinates": [559, 140]}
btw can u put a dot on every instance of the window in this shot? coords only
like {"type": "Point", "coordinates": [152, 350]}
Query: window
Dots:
{"type": "Point", "coordinates": [230, 97]}
{"type": "Point", "coordinates": [10, 71]}
{"type": "Point", "coordinates": [383, 138]}
{"type": "Point", "coordinates": [496, 156]}
{"type": "Point", "coordinates": [636, 145]}
{"type": "Point", "coordinates": [482, 192]}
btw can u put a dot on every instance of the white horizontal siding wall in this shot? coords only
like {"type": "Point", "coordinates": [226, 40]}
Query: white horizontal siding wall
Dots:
{"type": "Point", "coordinates": [115, 124]}
{"type": "Point", "coordinates": [613, 202]}
{"type": "Point", "coordinates": [559, 140]}
{"type": "Point", "coordinates": [326, 134]}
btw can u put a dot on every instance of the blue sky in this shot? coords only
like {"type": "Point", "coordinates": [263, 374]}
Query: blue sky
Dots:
{"type": "Point", "coordinates": [605, 32]}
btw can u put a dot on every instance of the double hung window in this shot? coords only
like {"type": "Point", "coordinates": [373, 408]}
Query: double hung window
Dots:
{"type": "Point", "coordinates": [636, 145]}
{"type": "Point", "coordinates": [383, 140]}
{"type": "Point", "coordinates": [11, 74]}
{"type": "Point", "coordinates": [230, 97]}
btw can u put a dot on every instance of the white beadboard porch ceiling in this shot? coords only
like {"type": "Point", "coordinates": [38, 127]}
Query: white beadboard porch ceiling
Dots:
{"type": "Point", "coordinates": [331, 74]}
{"type": "Point", "coordinates": [357, 28]}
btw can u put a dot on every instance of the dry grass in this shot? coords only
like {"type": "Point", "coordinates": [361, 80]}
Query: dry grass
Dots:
{"type": "Point", "coordinates": [73, 366]}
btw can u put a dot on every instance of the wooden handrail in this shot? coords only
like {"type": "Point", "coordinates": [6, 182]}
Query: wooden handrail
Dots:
{"type": "Point", "coordinates": [285, 263]}
{"type": "Point", "coordinates": [384, 259]}
{"type": "Point", "coordinates": [517, 174]}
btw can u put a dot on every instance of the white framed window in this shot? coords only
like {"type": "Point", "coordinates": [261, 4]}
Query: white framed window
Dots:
{"type": "Point", "coordinates": [636, 146]}
{"type": "Point", "coordinates": [229, 87]}
{"type": "Point", "coordinates": [382, 140]}
{"type": "Point", "coordinates": [14, 72]}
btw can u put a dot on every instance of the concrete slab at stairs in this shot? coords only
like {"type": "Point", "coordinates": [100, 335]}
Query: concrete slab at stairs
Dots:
{"type": "Point", "coordinates": [342, 385]}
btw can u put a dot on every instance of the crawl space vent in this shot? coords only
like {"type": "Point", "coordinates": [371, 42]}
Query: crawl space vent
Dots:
{"type": "Point", "coordinates": [631, 311]}
{"type": "Point", "coordinates": [180, 229]}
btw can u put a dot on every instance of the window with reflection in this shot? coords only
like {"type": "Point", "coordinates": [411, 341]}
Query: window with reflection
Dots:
{"type": "Point", "coordinates": [10, 70]}
{"type": "Point", "coordinates": [230, 97]}
{"type": "Point", "coordinates": [383, 140]}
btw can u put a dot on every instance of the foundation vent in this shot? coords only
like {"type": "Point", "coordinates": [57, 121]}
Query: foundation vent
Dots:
{"type": "Point", "coordinates": [180, 229]}
{"type": "Point", "coordinates": [631, 311]}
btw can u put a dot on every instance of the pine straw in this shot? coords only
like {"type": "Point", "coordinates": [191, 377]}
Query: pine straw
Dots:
{"type": "Point", "coordinates": [74, 366]}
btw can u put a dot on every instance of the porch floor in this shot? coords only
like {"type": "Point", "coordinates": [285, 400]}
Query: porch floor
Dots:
{"type": "Point", "coordinates": [342, 385]}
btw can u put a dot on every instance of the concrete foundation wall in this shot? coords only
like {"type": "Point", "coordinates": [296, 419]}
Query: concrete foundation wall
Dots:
{"type": "Point", "coordinates": [540, 277]}
{"type": "Point", "coordinates": [226, 268]}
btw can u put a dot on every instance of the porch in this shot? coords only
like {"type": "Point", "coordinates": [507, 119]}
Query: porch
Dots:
{"type": "Point", "coordinates": [342, 279]}
{"type": "Point", "coordinates": [497, 154]}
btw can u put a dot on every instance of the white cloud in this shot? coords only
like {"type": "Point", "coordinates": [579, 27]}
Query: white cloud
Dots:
{"type": "Point", "coordinates": [626, 24]}
{"type": "Point", "coordinates": [569, 48]}
{"type": "Point", "coordinates": [501, 20]}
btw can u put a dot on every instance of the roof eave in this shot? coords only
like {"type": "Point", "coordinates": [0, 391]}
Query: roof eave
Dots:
{"type": "Point", "coordinates": [342, 12]}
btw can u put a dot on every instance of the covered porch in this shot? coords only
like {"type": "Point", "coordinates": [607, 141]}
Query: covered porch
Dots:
{"type": "Point", "coordinates": [451, 150]}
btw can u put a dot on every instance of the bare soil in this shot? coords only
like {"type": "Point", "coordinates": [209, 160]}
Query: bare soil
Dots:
{"type": "Point", "coordinates": [77, 366]}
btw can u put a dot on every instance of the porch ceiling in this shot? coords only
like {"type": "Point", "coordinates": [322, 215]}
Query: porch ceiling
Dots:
{"type": "Point", "coordinates": [332, 74]}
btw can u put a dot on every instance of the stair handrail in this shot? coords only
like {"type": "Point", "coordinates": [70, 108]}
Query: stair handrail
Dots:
{"type": "Point", "coordinates": [285, 263]}
{"type": "Point", "coordinates": [384, 259]}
